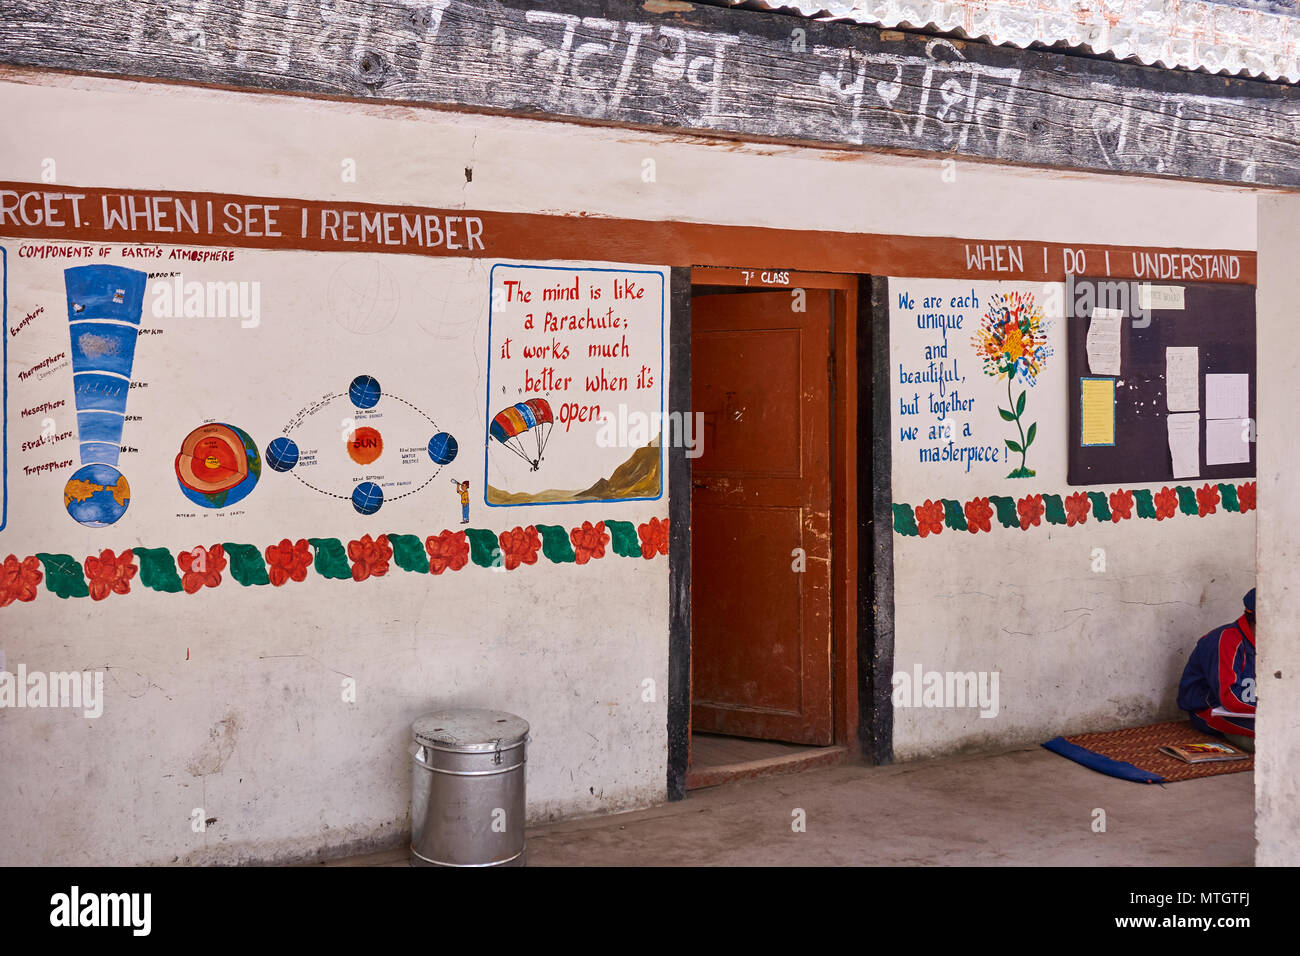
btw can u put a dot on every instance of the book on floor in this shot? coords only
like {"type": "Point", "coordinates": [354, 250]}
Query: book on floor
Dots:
{"type": "Point", "coordinates": [1207, 752]}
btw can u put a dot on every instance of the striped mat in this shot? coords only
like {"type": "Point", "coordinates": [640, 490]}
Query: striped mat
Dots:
{"type": "Point", "coordinates": [1133, 754]}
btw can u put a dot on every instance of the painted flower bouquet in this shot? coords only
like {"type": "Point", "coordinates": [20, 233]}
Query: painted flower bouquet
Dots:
{"type": "Point", "coordinates": [1011, 341]}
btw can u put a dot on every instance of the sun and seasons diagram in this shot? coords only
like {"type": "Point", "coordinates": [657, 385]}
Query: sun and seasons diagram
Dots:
{"type": "Point", "coordinates": [364, 445]}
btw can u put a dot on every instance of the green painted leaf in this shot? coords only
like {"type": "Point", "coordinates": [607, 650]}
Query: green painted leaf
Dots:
{"type": "Point", "coordinates": [556, 544]}
{"type": "Point", "coordinates": [624, 539]}
{"type": "Point", "coordinates": [1029, 436]}
{"type": "Point", "coordinates": [246, 564]}
{"type": "Point", "coordinates": [1100, 506]}
{"type": "Point", "coordinates": [1055, 509]}
{"type": "Point", "coordinates": [1146, 507]}
{"type": "Point", "coordinates": [64, 576]}
{"type": "Point", "coordinates": [483, 546]}
{"type": "Point", "coordinates": [954, 516]}
{"type": "Point", "coordinates": [158, 569]}
{"type": "Point", "coordinates": [1012, 445]}
{"type": "Point", "coordinates": [330, 558]}
{"type": "Point", "coordinates": [1006, 414]}
{"type": "Point", "coordinates": [1020, 404]}
{"type": "Point", "coordinates": [409, 553]}
{"type": "Point", "coordinates": [905, 520]}
{"type": "Point", "coordinates": [1187, 501]}
{"type": "Point", "coordinates": [1006, 508]}
{"type": "Point", "coordinates": [1229, 494]}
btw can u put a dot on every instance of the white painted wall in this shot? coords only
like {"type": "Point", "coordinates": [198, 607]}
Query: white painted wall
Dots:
{"type": "Point", "coordinates": [250, 728]}
{"type": "Point", "coordinates": [1277, 785]}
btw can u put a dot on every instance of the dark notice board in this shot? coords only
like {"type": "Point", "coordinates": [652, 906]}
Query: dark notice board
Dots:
{"type": "Point", "coordinates": [1218, 319]}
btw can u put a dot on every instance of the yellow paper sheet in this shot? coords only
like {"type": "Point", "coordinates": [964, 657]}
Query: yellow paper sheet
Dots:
{"type": "Point", "coordinates": [1098, 400]}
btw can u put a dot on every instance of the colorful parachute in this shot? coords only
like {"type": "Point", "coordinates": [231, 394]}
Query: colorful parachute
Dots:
{"type": "Point", "coordinates": [513, 426]}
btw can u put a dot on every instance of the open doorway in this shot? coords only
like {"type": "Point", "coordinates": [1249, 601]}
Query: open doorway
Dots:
{"type": "Point", "coordinates": [773, 537]}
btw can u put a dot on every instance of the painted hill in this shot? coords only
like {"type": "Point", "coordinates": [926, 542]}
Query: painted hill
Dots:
{"type": "Point", "coordinates": [638, 477]}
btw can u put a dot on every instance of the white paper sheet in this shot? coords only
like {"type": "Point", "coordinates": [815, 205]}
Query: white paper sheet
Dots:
{"type": "Point", "coordinates": [1104, 341]}
{"type": "Point", "coordinates": [1182, 379]}
{"type": "Point", "coordinates": [1227, 396]}
{"type": "Point", "coordinates": [1185, 444]}
{"type": "Point", "coordinates": [1166, 297]}
{"type": "Point", "coordinates": [1227, 441]}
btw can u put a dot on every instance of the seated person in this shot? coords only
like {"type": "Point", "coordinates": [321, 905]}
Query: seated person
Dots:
{"type": "Point", "coordinates": [1221, 675]}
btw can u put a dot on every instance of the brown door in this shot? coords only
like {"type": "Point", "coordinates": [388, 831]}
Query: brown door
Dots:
{"type": "Point", "coordinates": [760, 517]}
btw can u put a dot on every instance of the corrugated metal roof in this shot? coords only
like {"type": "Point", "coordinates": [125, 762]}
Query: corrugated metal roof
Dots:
{"type": "Point", "coordinates": [1260, 38]}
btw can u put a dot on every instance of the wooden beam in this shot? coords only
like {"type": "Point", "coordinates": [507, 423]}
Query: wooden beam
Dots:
{"type": "Point", "coordinates": [669, 65]}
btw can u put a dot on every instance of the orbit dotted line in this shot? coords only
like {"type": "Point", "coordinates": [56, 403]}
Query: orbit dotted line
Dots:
{"type": "Point", "coordinates": [321, 490]}
{"type": "Point", "coordinates": [427, 416]}
{"type": "Point", "coordinates": [414, 490]}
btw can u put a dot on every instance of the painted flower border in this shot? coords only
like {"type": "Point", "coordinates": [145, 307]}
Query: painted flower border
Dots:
{"type": "Point", "coordinates": [980, 513]}
{"type": "Point", "coordinates": [98, 576]}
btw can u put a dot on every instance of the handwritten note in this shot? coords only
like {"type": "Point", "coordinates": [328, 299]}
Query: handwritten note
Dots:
{"type": "Point", "coordinates": [1097, 396]}
{"type": "Point", "coordinates": [1182, 379]}
{"type": "Point", "coordinates": [1185, 444]}
{"type": "Point", "coordinates": [1104, 341]}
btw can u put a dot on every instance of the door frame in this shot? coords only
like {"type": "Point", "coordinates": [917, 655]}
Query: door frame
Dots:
{"type": "Point", "coordinates": [849, 590]}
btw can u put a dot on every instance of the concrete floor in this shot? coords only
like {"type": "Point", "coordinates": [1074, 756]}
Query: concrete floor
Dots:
{"type": "Point", "coordinates": [1028, 807]}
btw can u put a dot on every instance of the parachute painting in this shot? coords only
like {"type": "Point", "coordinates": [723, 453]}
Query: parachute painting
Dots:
{"type": "Point", "coordinates": [524, 427]}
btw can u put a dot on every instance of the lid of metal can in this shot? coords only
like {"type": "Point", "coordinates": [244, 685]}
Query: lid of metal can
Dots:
{"type": "Point", "coordinates": [470, 730]}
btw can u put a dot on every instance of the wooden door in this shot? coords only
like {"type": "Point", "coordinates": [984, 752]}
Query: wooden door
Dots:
{"type": "Point", "coordinates": [760, 517]}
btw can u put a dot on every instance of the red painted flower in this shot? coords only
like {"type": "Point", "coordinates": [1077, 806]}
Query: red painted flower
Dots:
{"type": "Point", "coordinates": [369, 556]}
{"type": "Point", "coordinates": [1166, 503]}
{"type": "Point", "coordinates": [978, 515]}
{"type": "Point", "coordinates": [1246, 496]}
{"type": "Point", "coordinates": [110, 573]}
{"type": "Point", "coordinates": [18, 579]}
{"type": "Point", "coordinates": [1077, 507]}
{"type": "Point", "coordinates": [1207, 497]}
{"type": "Point", "coordinates": [1031, 510]}
{"type": "Point", "coordinates": [519, 546]}
{"type": "Point", "coordinates": [202, 566]}
{"type": "Point", "coordinates": [589, 541]}
{"type": "Point", "coordinates": [929, 517]}
{"type": "Point", "coordinates": [1121, 505]}
{"type": "Point", "coordinates": [288, 559]}
{"type": "Point", "coordinates": [654, 537]}
{"type": "Point", "coordinates": [447, 550]}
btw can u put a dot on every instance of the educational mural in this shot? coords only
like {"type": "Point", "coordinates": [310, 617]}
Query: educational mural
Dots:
{"type": "Point", "coordinates": [179, 417]}
{"type": "Point", "coordinates": [979, 423]}
{"type": "Point", "coordinates": [574, 359]}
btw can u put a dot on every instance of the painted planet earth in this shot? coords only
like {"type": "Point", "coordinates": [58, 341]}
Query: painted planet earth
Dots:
{"type": "Point", "coordinates": [218, 465]}
{"type": "Point", "coordinates": [364, 391]}
{"type": "Point", "coordinates": [282, 453]}
{"type": "Point", "coordinates": [96, 495]}
{"type": "Point", "coordinates": [442, 448]}
{"type": "Point", "coordinates": [367, 497]}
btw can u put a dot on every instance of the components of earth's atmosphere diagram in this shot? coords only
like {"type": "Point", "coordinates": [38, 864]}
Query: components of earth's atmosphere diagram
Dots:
{"type": "Point", "coordinates": [104, 307]}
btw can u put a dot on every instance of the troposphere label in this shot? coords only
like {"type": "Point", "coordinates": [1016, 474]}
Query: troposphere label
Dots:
{"type": "Point", "coordinates": [570, 350]}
